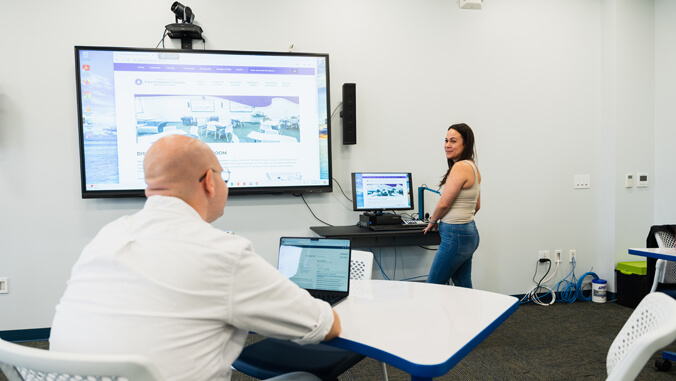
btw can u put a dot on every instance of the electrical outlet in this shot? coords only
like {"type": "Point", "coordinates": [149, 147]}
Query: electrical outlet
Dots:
{"type": "Point", "coordinates": [557, 255]}
{"type": "Point", "coordinates": [581, 182]}
{"type": "Point", "coordinates": [543, 254]}
{"type": "Point", "coordinates": [572, 254]}
{"type": "Point", "coordinates": [4, 287]}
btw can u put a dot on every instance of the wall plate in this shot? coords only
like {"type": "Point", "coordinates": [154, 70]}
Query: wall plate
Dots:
{"type": "Point", "coordinates": [581, 181]}
{"type": "Point", "coordinates": [641, 180]}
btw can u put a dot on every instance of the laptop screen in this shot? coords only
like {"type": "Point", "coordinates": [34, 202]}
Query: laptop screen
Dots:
{"type": "Point", "coordinates": [316, 263]}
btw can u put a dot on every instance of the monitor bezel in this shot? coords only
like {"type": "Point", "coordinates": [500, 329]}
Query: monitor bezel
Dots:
{"type": "Point", "coordinates": [378, 210]}
{"type": "Point", "coordinates": [125, 193]}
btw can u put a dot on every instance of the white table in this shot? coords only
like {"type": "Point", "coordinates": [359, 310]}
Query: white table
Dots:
{"type": "Point", "coordinates": [658, 253]}
{"type": "Point", "coordinates": [422, 329]}
{"type": "Point", "coordinates": [270, 127]}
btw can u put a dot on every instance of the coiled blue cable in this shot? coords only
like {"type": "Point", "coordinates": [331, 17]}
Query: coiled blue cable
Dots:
{"type": "Point", "coordinates": [567, 294]}
{"type": "Point", "coordinates": [567, 288]}
{"type": "Point", "coordinates": [579, 286]}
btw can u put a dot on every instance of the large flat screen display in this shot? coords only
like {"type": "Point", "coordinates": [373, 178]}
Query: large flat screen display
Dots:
{"type": "Point", "coordinates": [380, 191]}
{"type": "Point", "coordinates": [264, 114]}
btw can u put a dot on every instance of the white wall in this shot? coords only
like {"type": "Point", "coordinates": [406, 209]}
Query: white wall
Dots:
{"type": "Point", "coordinates": [529, 76]}
{"type": "Point", "coordinates": [665, 112]}
{"type": "Point", "coordinates": [634, 120]}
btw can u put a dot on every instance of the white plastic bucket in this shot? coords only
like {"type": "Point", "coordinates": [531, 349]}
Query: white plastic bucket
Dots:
{"type": "Point", "coordinates": [599, 288]}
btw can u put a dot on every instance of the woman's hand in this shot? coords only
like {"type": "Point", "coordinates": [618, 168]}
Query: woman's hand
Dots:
{"type": "Point", "coordinates": [430, 227]}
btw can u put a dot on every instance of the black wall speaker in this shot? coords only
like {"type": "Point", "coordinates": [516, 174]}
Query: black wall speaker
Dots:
{"type": "Point", "coordinates": [349, 113]}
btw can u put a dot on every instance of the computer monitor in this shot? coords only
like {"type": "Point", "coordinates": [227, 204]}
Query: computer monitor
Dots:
{"type": "Point", "coordinates": [380, 191]}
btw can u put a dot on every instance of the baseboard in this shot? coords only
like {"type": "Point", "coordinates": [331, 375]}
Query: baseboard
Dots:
{"type": "Point", "coordinates": [22, 335]}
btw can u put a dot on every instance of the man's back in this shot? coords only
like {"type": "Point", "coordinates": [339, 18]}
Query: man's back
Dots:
{"type": "Point", "coordinates": [165, 284]}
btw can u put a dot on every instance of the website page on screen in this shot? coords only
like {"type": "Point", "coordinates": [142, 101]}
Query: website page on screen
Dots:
{"type": "Point", "coordinates": [382, 191]}
{"type": "Point", "coordinates": [264, 116]}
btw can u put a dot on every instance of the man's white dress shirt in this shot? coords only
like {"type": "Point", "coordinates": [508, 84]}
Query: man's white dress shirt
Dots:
{"type": "Point", "coordinates": [166, 284]}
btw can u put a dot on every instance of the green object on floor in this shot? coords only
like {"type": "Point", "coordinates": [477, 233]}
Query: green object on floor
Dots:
{"type": "Point", "coordinates": [637, 267]}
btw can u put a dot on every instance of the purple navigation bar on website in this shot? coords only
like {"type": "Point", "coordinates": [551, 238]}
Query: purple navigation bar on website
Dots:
{"type": "Point", "coordinates": [217, 69]}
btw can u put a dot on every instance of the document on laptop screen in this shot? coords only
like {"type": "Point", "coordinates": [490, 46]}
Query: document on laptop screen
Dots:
{"type": "Point", "coordinates": [316, 264]}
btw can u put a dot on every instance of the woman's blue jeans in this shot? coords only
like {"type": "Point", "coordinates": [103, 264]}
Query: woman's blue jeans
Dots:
{"type": "Point", "coordinates": [454, 255]}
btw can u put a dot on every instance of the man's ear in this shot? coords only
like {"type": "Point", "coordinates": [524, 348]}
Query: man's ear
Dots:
{"type": "Point", "coordinates": [208, 184]}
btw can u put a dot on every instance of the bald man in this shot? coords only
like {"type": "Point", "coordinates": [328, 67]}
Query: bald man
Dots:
{"type": "Point", "coordinates": [165, 284]}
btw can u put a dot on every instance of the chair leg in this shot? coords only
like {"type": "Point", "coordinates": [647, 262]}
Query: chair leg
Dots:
{"type": "Point", "coordinates": [383, 367]}
{"type": "Point", "coordinates": [659, 274]}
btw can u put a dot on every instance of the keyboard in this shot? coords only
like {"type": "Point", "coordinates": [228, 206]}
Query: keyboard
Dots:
{"type": "Point", "coordinates": [332, 299]}
{"type": "Point", "coordinates": [396, 227]}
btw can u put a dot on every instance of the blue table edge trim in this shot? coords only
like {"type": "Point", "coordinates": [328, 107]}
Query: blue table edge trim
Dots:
{"type": "Point", "coordinates": [25, 335]}
{"type": "Point", "coordinates": [640, 253]}
{"type": "Point", "coordinates": [424, 371]}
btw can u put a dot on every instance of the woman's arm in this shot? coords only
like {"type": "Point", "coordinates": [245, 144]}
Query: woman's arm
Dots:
{"type": "Point", "coordinates": [454, 183]}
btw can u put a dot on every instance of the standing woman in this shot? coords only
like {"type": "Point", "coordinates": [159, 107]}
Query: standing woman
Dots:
{"type": "Point", "coordinates": [454, 213]}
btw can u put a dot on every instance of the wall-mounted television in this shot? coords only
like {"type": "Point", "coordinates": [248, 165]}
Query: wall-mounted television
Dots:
{"type": "Point", "coordinates": [381, 191]}
{"type": "Point", "coordinates": [265, 115]}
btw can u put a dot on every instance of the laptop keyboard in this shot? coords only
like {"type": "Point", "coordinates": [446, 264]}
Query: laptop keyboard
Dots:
{"type": "Point", "coordinates": [331, 299]}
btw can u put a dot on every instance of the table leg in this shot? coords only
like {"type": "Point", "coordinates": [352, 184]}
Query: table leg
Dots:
{"type": "Point", "coordinates": [383, 369]}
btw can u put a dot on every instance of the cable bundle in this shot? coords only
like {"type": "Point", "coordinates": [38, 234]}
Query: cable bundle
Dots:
{"type": "Point", "coordinates": [567, 288]}
{"type": "Point", "coordinates": [532, 295]}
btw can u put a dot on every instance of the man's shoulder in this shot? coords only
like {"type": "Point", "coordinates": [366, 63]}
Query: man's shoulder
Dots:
{"type": "Point", "coordinates": [156, 224]}
{"type": "Point", "coordinates": [226, 240]}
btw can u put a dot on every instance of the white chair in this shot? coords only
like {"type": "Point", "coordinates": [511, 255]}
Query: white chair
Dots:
{"type": "Point", "coordinates": [211, 127]}
{"type": "Point", "coordinates": [665, 271]}
{"type": "Point", "coordinates": [20, 363]}
{"type": "Point", "coordinates": [195, 131]}
{"type": "Point", "coordinates": [650, 328]}
{"type": "Point", "coordinates": [361, 265]}
{"type": "Point", "coordinates": [225, 131]}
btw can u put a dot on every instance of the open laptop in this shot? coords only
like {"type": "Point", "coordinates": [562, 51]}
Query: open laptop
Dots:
{"type": "Point", "coordinates": [319, 265]}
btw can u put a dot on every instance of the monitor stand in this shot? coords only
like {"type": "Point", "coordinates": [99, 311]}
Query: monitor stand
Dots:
{"type": "Point", "coordinates": [378, 218]}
